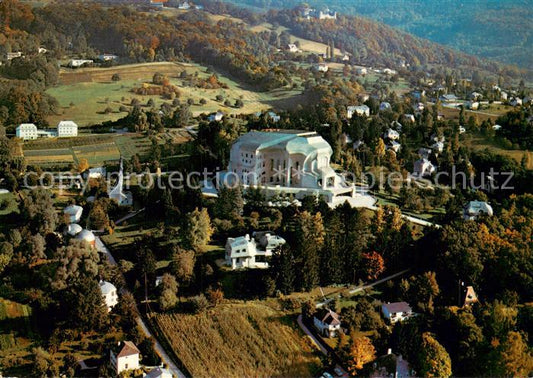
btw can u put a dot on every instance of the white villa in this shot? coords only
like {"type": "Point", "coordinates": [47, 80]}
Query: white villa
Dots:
{"type": "Point", "coordinates": [74, 212]}
{"type": "Point", "coordinates": [215, 117]}
{"type": "Point", "coordinates": [125, 357]}
{"type": "Point", "coordinates": [75, 63]}
{"type": "Point", "coordinates": [322, 67]}
{"type": "Point", "coordinates": [286, 161]}
{"type": "Point", "coordinates": [246, 252]}
{"type": "Point", "coordinates": [361, 110]}
{"type": "Point", "coordinates": [409, 117]}
{"type": "Point", "coordinates": [422, 168]}
{"type": "Point", "coordinates": [109, 294]}
{"type": "Point", "coordinates": [327, 322]}
{"type": "Point", "coordinates": [392, 134]}
{"type": "Point", "coordinates": [88, 237]}
{"type": "Point", "coordinates": [396, 311]}
{"type": "Point", "coordinates": [476, 208]}
{"type": "Point", "coordinates": [29, 131]}
{"type": "Point", "coordinates": [293, 48]}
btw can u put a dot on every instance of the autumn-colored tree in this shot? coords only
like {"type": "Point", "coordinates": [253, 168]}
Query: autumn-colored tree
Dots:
{"type": "Point", "coordinates": [198, 229]}
{"type": "Point", "coordinates": [373, 265]}
{"type": "Point", "coordinates": [182, 265]}
{"type": "Point", "coordinates": [515, 357]}
{"type": "Point", "coordinates": [434, 360]}
{"type": "Point", "coordinates": [361, 352]}
{"type": "Point", "coordinates": [83, 165]}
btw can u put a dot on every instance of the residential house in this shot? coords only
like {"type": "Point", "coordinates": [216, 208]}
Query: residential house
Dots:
{"type": "Point", "coordinates": [392, 134]}
{"type": "Point", "coordinates": [419, 107]}
{"type": "Point", "coordinates": [391, 365]}
{"type": "Point", "coordinates": [475, 96]}
{"type": "Point", "coordinates": [472, 105]}
{"type": "Point", "coordinates": [124, 357]}
{"type": "Point", "coordinates": [496, 127]}
{"type": "Point", "coordinates": [109, 294]}
{"type": "Point", "coordinates": [215, 117]}
{"type": "Point", "coordinates": [449, 98]}
{"type": "Point", "coordinates": [384, 106]}
{"type": "Point", "coordinates": [409, 118]}
{"type": "Point", "coordinates": [13, 55]}
{"type": "Point", "coordinates": [159, 372]}
{"type": "Point", "coordinates": [390, 72]}
{"type": "Point", "coordinates": [423, 168]}
{"type": "Point", "coordinates": [462, 130]}
{"type": "Point", "coordinates": [396, 125]}
{"type": "Point", "coordinates": [327, 322]}
{"type": "Point", "coordinates": [74, 213]}
{"type": "Point", "coordinates": [361, 110]}
{"type": "Point", "coordinates": [293, 48]}
{"type": "Point", "coordinates": [396, 311]}
{"type": "Point", "coordinates": [107, 57]}
{"type": "Point", "coordinates": [476, 208]}
{"type": "Point", "coordinates": [246, 252]}
{"type": "Point", "coordinates": [361, 71]}
{"type": "Point", "coordinates": [322, 67]}
{"type": "Point", "coordinates": [515, 101]}
{"type": "Point", "coordinates": [76, 63]}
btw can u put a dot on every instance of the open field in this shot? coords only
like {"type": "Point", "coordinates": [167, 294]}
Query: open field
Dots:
{"type": "Point", "coordinates": [479, 142]}
{"type": "Point", "coordinates": [85, 93]}
{"type": "Point", "coordinates": [236, 340]}
{"type": "Point", "coordinates": [12, 313]}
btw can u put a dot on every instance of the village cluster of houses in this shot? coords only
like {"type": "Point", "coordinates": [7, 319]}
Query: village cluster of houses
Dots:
{"type": "Point", "coordinates": [29, 131]}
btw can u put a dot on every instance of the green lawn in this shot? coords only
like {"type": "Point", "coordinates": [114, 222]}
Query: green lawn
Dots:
{"type": "Point", "coordinates": [84, 101]}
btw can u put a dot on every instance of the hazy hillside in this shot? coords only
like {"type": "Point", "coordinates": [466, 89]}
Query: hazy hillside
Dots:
{"type": "Point", "coordinates": [500, 30]}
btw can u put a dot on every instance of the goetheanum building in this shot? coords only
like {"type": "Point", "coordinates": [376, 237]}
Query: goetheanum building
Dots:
{"type": "Point", "coordinates": [294, 162]}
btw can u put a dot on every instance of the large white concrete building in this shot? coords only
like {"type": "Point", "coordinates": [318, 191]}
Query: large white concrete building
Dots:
{"type": "Point", "coordinates": [294, 162]}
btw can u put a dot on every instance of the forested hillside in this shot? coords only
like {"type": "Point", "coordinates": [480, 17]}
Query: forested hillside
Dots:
{"type": "Point", "coordinates": [500, 30]}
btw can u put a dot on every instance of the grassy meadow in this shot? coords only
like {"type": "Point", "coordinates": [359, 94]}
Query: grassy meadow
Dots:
{"type": "Point", "coordinates": [84, 94]}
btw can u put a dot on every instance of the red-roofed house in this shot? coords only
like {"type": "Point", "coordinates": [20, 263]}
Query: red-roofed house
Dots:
{"type": "Point", "coordinates": [125, 357]}
{"type": "Point", "coordinates": [327, 322]}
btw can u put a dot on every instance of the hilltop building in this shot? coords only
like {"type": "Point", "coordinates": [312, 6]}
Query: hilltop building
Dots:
{"type": "Point", "coordinates": [289, 161]}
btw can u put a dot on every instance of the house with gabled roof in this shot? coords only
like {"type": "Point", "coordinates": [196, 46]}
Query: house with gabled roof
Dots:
{"type": "Point", "coordinates": [125, 356]}
{"type": "Point", "coordinates": [327, 322]}
{"type": "Point", "coordinates": [397, 311]}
